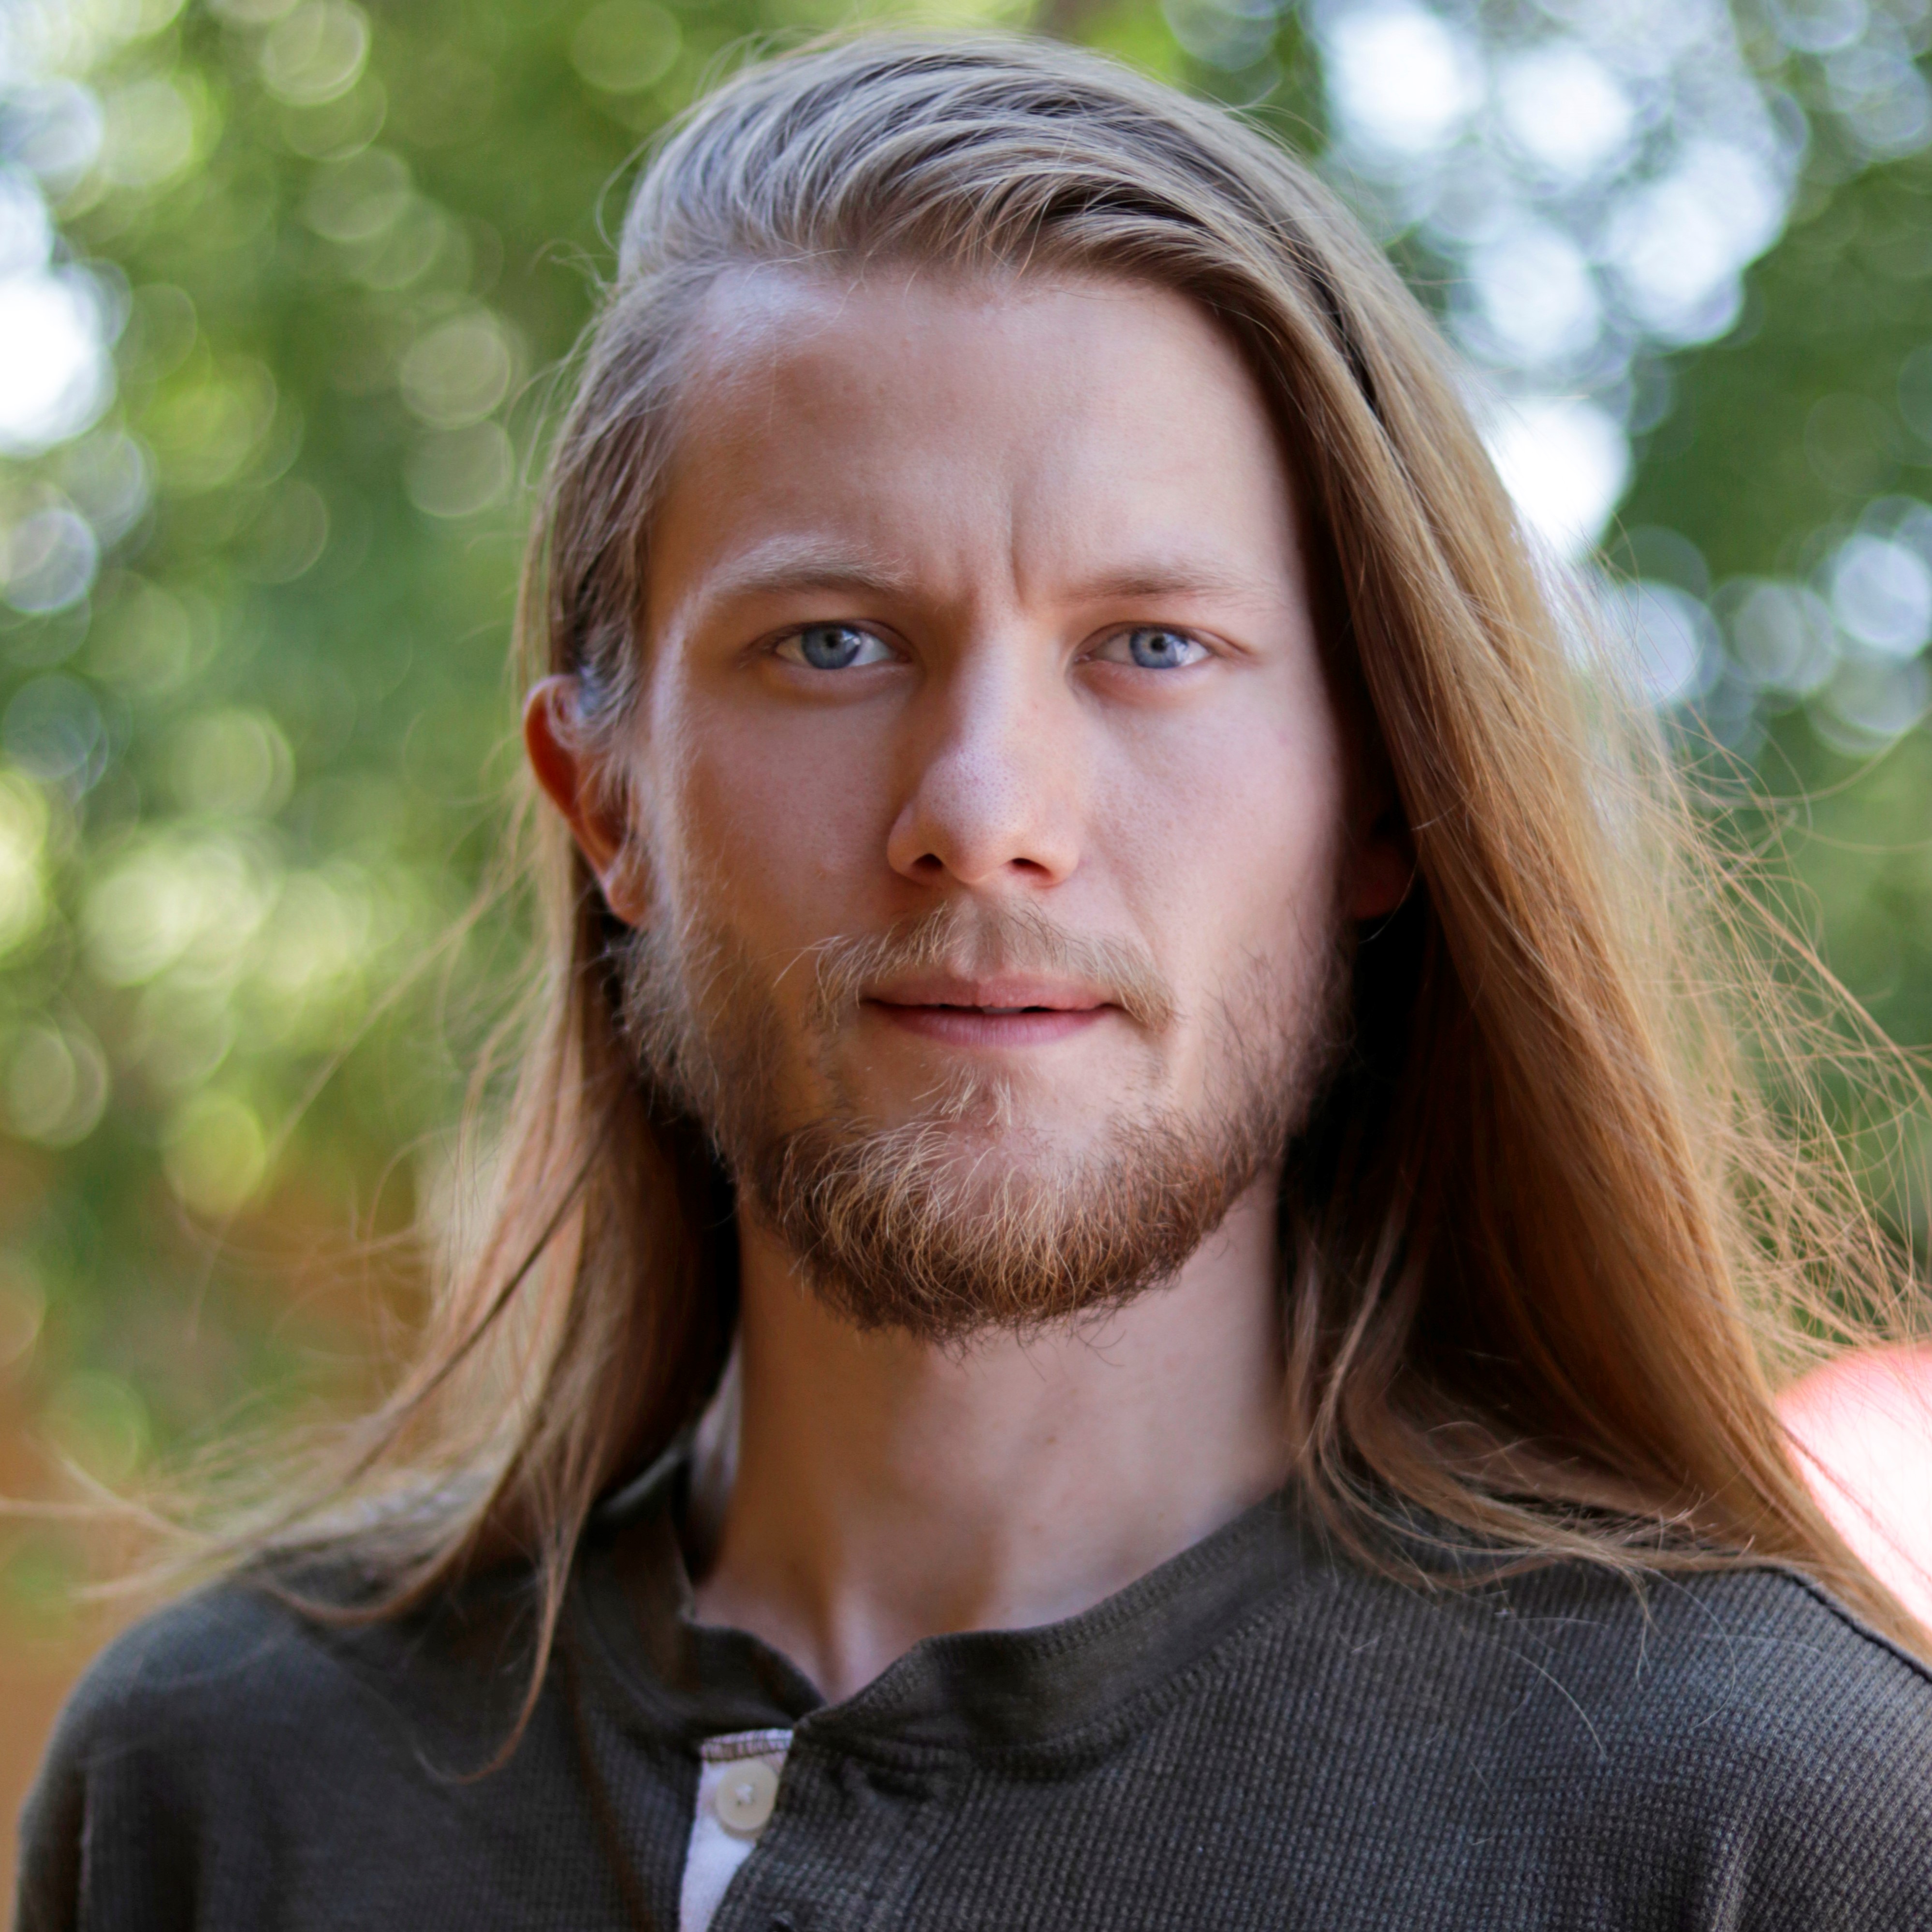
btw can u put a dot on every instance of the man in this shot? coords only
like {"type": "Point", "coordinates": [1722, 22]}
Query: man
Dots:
{"type": "Point", "coordinates": [1122, 1290]}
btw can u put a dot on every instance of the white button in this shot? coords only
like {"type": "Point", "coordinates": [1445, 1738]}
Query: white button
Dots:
{"type": "Point", "coordinates": [746, 1796]}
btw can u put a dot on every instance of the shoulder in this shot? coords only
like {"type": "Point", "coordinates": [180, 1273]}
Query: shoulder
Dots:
{"type": "Point", "coordinates": [1572, 1671]}
{"type": "Point", "coordinates": [1729, 1747]}
{"type": "Point", "coordinates": [238, 1721]}
{"type": "Point", "coordinates": [256, 1667]}
{"type": "Point", "coordinates": [1831, 1719]}
{"type": "Point", "coordinates": [173, 1725]}
{"type": "Point", "coordinates": [1757, 1658]}
{"type": "Point", "coordinates": [224, 1670]}
{"type": "Point", "coordinates": [199, 1710]}
{"type": "Point", "coordinates": [1782, 1746]}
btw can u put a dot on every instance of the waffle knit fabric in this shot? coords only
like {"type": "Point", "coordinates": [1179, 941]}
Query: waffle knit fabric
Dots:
{"type": "Point", "coordinates": [1259, 1733]}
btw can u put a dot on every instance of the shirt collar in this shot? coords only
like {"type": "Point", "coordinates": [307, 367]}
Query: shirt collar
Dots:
{"type": "Point", "coordinates": [971, 1693]}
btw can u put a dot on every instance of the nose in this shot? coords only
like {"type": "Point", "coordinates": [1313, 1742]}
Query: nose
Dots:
{"type": "Point", "coordinates": [994, 796]}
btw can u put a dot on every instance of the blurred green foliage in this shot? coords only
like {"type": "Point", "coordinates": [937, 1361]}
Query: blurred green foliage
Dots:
{"type": "Point", "coordinates": [249, 782]}
{"type": "Point", "coordinates": [351, 243]}
{"type": "Point", "coordinates": [1778, 441]}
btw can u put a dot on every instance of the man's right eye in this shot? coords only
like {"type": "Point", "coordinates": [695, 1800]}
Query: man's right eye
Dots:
{"type": "Point", "coordinates": [834, 647]}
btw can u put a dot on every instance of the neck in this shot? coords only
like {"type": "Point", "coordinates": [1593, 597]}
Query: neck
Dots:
{"type": "Point", "coordinates": [877, 1490]}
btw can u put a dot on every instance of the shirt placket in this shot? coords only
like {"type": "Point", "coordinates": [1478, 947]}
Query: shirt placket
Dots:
{"type": "Point", "coordinates": [737, 1787]}
{"type": "Point", "coordinates": [848, 1845]}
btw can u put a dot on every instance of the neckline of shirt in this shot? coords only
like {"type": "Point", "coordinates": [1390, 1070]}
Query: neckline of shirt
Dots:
{"type": "Point", "coordinates": [968, 1693]}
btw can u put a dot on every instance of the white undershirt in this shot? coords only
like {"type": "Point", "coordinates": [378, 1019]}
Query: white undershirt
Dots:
{"type": "Point", "coordinates": [736, 1787]}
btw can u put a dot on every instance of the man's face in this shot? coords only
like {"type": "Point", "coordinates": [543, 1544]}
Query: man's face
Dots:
{"type": "Point", "coordinates": [989, 799]}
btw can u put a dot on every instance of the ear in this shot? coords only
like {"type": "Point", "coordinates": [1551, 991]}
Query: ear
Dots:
{"type": "Point", "coordinates": [1381, 867]}
{"type": "Point", "coordinates": [576, 784]}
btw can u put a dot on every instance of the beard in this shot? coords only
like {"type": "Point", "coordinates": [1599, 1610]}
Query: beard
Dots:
{"type": "Point", "coordinates": [960, 1221]}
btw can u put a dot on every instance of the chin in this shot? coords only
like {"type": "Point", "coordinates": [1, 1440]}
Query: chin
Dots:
{"type": "Point", "coordinates": [997, 1120]}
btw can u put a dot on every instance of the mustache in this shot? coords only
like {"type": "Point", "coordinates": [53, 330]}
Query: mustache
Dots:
{"type": "Point", "coordinates": [962, 937]}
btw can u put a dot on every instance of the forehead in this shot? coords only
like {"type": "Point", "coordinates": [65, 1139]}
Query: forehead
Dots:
{"type": "Point", "coordinates": [1051, 419]}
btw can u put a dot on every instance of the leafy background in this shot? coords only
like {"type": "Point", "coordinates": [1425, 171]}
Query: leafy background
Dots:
{"type": "Point", "coordinates": [282, 286]}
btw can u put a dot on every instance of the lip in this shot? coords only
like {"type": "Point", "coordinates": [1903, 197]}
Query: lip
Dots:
{"type": "Point", "coordinates": [1000, 1010]}
{"type": "Point", "coordinates": [982, 990]}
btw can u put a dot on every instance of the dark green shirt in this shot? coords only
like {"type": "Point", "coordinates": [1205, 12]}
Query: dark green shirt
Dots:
{"type": "Point", "coordinates": [1257, 1734]}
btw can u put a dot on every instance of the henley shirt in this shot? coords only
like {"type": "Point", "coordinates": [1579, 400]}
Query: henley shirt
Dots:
{"type": "Point", "coordinates": [1259, 1733]}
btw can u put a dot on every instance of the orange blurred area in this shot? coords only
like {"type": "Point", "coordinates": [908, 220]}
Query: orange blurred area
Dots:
{"type": "Point", "coordinates": [1863, 1426]}
{"type": "Point", "coordinates": [43, 1647]}
{"type": "Point", "coordinates": [326, 1312]}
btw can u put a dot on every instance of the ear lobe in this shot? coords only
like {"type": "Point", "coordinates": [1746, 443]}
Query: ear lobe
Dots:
{"type": "Point", "coordinates": [1382, 869]}
{"type": "Point", "coordinates": [575, 784]}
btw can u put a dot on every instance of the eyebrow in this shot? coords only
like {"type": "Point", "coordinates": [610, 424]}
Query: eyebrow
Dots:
{"type": "Point", "coordinates": [1131, 583]}
{"type": "Point", "coordinates": [789, 570]}
{"type": "Point", "coordinates": [785, 570]}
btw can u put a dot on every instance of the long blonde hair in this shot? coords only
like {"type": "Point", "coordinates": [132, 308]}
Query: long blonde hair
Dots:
{"type": "Point", "coordinates": [1571, 1206]}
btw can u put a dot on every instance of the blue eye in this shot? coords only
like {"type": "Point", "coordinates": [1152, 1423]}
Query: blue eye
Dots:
{"type": "Point", "coordinates": [834, 647]}
{"type": "Point", "coordinates": [1154, 648]}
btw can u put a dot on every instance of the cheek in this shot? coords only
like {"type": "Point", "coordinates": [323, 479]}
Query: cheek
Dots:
{"type": "Point", "coordinates": [1232, 829]}
{"type": "Point", "coordinates": [774, 821]}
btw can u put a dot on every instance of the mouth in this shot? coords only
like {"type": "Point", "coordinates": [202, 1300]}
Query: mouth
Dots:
{"type": "Point", "coordinates": [1005, 1011]}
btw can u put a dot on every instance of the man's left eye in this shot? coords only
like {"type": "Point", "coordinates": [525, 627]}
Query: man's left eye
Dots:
{"type": "Point", "coordinates": [834, 647]}
{"type": "Point", "coordinates": [1153, 647]}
